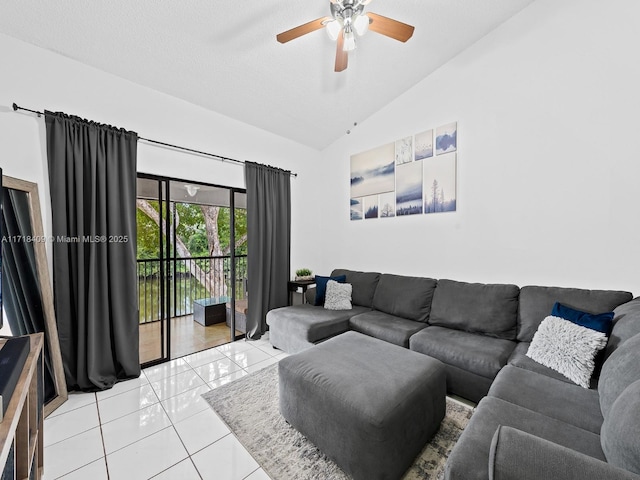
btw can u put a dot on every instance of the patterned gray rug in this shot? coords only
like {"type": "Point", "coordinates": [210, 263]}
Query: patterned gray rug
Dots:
{"type": "Point", "coordinates": [249, 406]}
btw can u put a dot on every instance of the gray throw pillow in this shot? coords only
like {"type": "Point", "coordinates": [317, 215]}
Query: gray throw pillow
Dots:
{"type": "Point", "coordinates": [567, 348]}
{"type": "Point", "coordinates": [338, 296]}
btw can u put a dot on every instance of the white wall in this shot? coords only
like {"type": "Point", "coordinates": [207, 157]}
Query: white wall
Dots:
{"type": "Point", "coordinates": [548, 158]}
{"type": "Point", "coordinates": [38, 79]}
{"type": "Point", "coordinates": [548, 161]}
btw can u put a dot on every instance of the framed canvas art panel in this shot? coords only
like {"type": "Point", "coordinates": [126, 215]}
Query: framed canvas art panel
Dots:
{"type": "Point", "coordinates": [356, 209]}
{"type": "Point", "coordinates": [404, 150]}
{"type": "Point", "coordinates": [447, 138]}
{"type": "Point", "coordinates": [409, 189]}
{"type": "Point", "coordinates": [373, 171]}
{"type": "Point", "coordinates": [440, 183]}
{"type": "Point", "coordinates": [370, 206]}
{"type": "Point", "coordinates": [424, 145]}
{"type": "Point", "coordinates": [387, 205]}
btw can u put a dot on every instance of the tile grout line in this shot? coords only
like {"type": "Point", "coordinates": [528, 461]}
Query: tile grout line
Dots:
{"type": "Point", "coordinates": [104, 449]}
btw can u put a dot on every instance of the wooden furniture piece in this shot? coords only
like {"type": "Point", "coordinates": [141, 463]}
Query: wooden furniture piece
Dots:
{"type": "Point", "coordinates": [33, 229]}
{"type": "Point", "coordinates": [22, 454]}
{"type": "Point", "coordinates": [208, 311]}
{"type": "Point", "coordinates": [294, 285]}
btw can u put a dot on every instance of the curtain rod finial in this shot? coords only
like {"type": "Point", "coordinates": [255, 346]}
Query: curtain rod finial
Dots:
{"type": "Point", "coordinates": [15, 107]}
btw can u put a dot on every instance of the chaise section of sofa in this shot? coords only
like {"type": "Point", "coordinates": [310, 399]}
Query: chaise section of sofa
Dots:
{"type": "Point", "coordinates": [298, 327]}
{"type": "Point", "coordinates": [472, 329]}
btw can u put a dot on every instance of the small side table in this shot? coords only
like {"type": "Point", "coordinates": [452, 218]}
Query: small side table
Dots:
{"type": "Point", "coordinates": [294, 285]}
{"type": "Point", "coordinates": [208, 311]}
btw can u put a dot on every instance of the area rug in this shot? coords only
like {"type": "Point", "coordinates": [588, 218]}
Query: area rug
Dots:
{"type": "Point", "coordinates": [249, 406]}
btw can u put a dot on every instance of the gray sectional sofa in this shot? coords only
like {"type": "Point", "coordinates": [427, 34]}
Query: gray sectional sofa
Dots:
{"type": "Point", "coordinates": [481, 333]}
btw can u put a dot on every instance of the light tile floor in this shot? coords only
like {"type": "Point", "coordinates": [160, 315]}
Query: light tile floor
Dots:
{"type": "Point", "coordinates": [157, 426]}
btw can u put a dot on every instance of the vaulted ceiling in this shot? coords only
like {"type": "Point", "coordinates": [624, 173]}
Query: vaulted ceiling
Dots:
{"type": "Point", "coordinates": [223, 55]}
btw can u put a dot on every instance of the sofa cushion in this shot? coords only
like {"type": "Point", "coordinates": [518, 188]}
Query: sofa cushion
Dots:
{"type": "Point", "coordinates": [626, 324]}
{"type": "Point", "coordinates": [386, 327]}
{"type": "Point", "coordinates": [475, 353]}
{"type": "Point", "coordinates": [620, 370]}
{"type": "Point", "coordinates": [310, 295]}
{"type": "Point", "coordinates": [536, 304]}
{"type": "Point", "coordinates": [476, 307]}
{"type": "Point", "coordinates": [364, 285]}
{"type": "Point", "coordinates": [470, 457]}
{"type": "Point", "coordinates": [406, 297]}
{"type": "Point", "coordinates": [310, 322]}
{"type": "Point", "coordinates": [554, 398]}
{"type": "Point", "coordinates": [519, 359]}
{"type": "Point", "coordinates": [567, 348]}
{"type": "Point", "coordinates": [620, 436]}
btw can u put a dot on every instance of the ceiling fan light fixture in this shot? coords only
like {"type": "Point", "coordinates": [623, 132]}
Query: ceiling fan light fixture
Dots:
{"type": "Point", "coordinates": [333, 29]}
{"type": "Point", "coordinates": [361, 24]}
{"type": "Point", "coordinates": [347, 21]}
{"type": "Point", "coordinates": [192, 189]}
{"type": "Point", "coordinates": [349, 41]}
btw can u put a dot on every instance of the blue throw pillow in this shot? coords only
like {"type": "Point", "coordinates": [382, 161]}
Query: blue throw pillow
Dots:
{"type": "Point", "coordinates": [321, 286]}
{"type": "Point", "coordinates": [600, 322]}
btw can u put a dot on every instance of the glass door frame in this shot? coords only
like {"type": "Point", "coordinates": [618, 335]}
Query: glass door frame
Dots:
{"type": "Point", "coordinates": [168, 261]}
{"type": "Point", "coordinates": [164, 247]}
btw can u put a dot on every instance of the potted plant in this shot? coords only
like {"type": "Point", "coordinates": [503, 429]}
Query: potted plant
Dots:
{"type": "Point", "coordinates": [304, 274]}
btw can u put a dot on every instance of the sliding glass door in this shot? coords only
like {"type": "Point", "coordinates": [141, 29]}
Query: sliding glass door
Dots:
{"type": "Point", "coordinates": [194, 296]}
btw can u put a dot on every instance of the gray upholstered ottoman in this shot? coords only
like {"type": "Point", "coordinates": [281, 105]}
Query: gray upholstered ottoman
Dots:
{"type": "Point", "coordinates": [367, 404]}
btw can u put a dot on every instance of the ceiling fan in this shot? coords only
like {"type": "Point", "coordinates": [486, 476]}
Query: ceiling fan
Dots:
{"type": "Point", "coordinates": [348, 19]}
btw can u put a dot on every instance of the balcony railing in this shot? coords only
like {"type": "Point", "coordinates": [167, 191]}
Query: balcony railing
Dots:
{"type": "Point", "coordinates": [191, 278]}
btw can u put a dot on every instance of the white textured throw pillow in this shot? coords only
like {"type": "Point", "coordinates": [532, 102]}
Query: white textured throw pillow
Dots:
{"type": "Point", "coordinates": [338, 296]}
{"type": "Point", "coordinates": [567, 348]}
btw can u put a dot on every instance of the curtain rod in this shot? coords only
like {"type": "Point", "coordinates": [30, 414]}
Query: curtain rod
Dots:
{"type": "Point", "coordinates": [164, 144]}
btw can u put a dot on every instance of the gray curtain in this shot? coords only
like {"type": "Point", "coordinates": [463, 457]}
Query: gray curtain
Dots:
{"type": "Point", "coordinates": [268, 240]}
{"type": "Point", "coordinates": [92, 178]}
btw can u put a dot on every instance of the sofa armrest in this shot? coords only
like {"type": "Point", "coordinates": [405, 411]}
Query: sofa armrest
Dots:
{"type": "Point", "coordinates": [310, 295]}
{"type": "Point", "coordinates": [519, 455]}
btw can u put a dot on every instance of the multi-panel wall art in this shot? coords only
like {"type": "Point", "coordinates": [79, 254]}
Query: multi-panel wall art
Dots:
{"type": "Point", "coordinates": [411, 176]}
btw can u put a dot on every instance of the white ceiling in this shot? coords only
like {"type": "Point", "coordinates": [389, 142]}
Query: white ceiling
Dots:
{"type": "Point", "coordinates": [223, 54]}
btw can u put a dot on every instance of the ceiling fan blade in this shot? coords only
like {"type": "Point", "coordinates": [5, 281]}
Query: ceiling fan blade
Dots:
{"type": "Point", "coordinates": [389, 27]}
{"type": "Point", "coordinates": [300, 30]}
{"type": "Point", "coordinates": [342, 57]}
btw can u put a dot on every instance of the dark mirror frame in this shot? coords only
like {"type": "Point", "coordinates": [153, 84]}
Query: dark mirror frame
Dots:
{"type": "Point", "coordinates": [51, 333]}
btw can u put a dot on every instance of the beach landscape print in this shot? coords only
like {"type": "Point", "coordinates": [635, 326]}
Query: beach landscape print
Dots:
{"type": "Point", "coordinates": [373, 172]}
{"type": "Point", "coordinates": [447, 138]}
